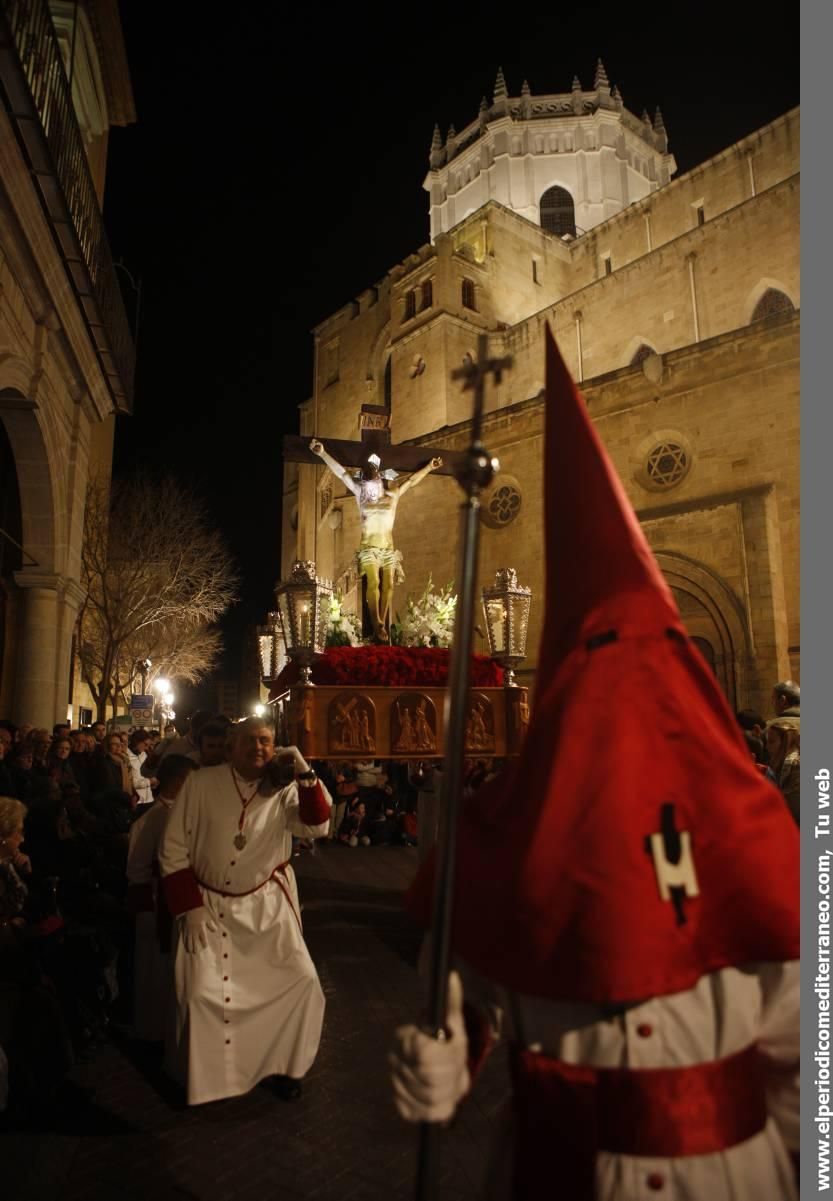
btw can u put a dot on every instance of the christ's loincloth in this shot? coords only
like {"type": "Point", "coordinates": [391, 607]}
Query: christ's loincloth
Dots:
{"type": "Point", "coordinates": [382, 558]}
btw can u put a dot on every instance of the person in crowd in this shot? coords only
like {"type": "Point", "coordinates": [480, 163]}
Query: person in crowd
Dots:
{"type": "Point", "coordinates": [110, 794]}
{"type": "Point", "coordinates": [383, 809]}
{"type": "Point", "coordinates": [757, 751]}
{"type": "Point", "coordinates": [99, 733]}
{"type": "Point", "coordinates": [61, 730]}
{"type": "Point", "coordinates": [80, 760]}
{"type": "Point", "coordinates": [22, 775]}
{"type": "Point", "coordinates": [249, 1004]}
{"type": "Point", "coordinates": [7, 783]}
{"type": "Point", "coordinates": [136, 754]}
{"type": "Point", "coordinates": [786, 699]}
{"type": "Point", "coordinates": [186, 744]}
{"type": "Point", "coordinates": [346, 791]}
{"type": "Point", "coordinates": [427, 779]}
{"type": "Point", "coordinates": [353, 829]}
{"type": "Point", "coordinates": [626, 908]}
{"type": "Point", "coordinates": [41, 744]}
{"type": "Point", "coordinates": [154, 998]}
{"type": "Point", "coordinates": [783, 736]}
{"type": "Point", "coordinates": [213, 742]}
{"type": "Point", "coordinates": [23, 732]}
{"type": "Point", "coordinates": [58, 763]}
{"type": "Point", "coordinates": [8, 735]}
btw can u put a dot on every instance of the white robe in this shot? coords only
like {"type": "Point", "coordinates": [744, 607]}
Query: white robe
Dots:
{"type": "Point", "coordinates": [153, 989]}
{"type": "Point", "coordinates": [250, 1004]}
{"type": "Point", "coordinates": [724, 1013]}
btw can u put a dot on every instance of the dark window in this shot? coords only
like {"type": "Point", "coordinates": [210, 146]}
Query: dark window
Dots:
{"type": "Point", "coordinates": [535, 278]}
{"type": "Point", "coordinates": [410, 306]}
{"type": "Point", "coordinates": [468, 294]}
{"type": "Point", "coordinates": [558, 213]}
{"type": "Point", "coordinates": [608, 265]}
{"type": "Point", "coordinates": [701, 215]}
{"type": "Point", "coordinates": [387, 391]}
{"type": "Point", "coordinates": [427, 294]}
{"type": "Point", "coordinates": [642, 353]}
{"type": "Point", "coordinates": [772, 302]}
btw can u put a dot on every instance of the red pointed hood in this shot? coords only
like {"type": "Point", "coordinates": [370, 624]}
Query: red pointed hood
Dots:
{"type": "Point", "coordinates": [557, 887]}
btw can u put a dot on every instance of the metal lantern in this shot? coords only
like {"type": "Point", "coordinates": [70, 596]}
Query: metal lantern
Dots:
{"type": "Point", "coordinates": [268, 641]}
{"type": "Point", "coordinates": [506, 610]}
{"type": "Point", "coordinates": [304, 615]}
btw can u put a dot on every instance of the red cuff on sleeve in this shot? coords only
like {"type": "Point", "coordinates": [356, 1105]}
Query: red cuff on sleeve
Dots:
{"type": "Point", "coordinates": [139, 898]}
{"type": "Point", "coordinates": [481, 1041]}
{"type": "Point", "coordinates": [181, 891]}
{"type": "Point", "coordinates": [313, 806]}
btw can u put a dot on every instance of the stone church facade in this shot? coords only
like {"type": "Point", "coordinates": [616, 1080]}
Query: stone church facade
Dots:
{"type": "Point", "coordinates": [675, 302]}
{"type": "Point", "coordinates": [66, 351]}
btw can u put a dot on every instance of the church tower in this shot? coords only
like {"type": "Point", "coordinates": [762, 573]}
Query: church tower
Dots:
{"type": "Point", "coordinates": [565, 161]}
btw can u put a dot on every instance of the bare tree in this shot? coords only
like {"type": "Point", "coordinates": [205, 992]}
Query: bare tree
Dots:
{"type": "Point", "coordinates": [157, 577]}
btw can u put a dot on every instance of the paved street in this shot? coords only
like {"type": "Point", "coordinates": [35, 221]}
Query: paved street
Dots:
{"type": "Point", "coordinates": [342, 1141]}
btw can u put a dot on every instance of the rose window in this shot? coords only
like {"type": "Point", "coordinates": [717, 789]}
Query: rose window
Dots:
{"type": "Point", "coordinates": [667, 464]}
{"type": "Point", "coordinates": [505, 505]}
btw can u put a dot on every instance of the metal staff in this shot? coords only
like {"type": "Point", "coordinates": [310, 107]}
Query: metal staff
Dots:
{"type": "Point", "coordinates": [473, 476]}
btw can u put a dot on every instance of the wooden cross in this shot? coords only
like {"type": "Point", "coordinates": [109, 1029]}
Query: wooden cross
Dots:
{"type": "Point", "coordinates": [374, 424]}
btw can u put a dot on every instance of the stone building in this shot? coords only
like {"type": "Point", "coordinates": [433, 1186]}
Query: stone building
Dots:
{"type": "Point", "coordinates": [675, 302]}
{"type": "Point", "coordinates": [66, 354]}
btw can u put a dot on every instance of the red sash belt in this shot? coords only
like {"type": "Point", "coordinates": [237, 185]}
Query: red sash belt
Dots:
{"type": "Point", "coordinates": [567, 1113]}
{"type": "Point", "coordinates": [275, 875]}
{"type": "Point", "coordinates": [222, 893]}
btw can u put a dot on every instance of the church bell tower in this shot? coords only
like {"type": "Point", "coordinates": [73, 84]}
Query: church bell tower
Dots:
{"type": "Point", "coordinates": [566, 161]}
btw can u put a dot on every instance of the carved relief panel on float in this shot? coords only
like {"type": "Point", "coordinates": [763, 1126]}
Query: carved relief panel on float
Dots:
{"type": "Point", "coordinates": [351, 725]}
{"type": "Point", "coordinates": [413, 725]}
{"type": "Point", "coordinates": [480, 725]}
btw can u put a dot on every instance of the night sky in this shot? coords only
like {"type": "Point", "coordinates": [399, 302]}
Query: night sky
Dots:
{"type": "Point", "coordinates": [276, 170]}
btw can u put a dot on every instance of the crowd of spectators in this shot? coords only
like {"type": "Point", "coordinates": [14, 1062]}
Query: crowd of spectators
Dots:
{"type": "Point", "coordinates": [775, 744]}
{"type": "Point", "coordinates": [69, 800]}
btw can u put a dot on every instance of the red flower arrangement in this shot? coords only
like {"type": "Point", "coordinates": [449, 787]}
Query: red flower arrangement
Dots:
{"type": "Point", "coordinates": [389, 667]}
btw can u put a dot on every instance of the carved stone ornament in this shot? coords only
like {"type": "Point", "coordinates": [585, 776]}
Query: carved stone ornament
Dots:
{"type": "Point", "coordinates": [480, 725]}
{"type": "Point", "coordinates": [413, 724]}
{"type": "Point", "coordinates": [352, 723]}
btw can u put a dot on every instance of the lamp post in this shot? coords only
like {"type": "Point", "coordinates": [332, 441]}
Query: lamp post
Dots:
{"type": "Point", "coordinates": [303, 613]}
{"type": "Point", "coordinates": [506, 610]}
{"type": "Point", "coordinates": [143, 666]}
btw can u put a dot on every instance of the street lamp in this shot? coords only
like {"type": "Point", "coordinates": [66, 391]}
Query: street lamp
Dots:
{"type": "Point", "coordinates": [304, 614]}
{"type": "Point", "coordinates": [506, 609]}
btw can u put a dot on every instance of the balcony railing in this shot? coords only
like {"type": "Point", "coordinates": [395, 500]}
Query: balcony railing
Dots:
{"type": "Point", "coordinates": [37, 96]}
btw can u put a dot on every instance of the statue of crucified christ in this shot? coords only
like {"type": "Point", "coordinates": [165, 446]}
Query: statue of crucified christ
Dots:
{"type": "Point", "coordinates": [377, 497]}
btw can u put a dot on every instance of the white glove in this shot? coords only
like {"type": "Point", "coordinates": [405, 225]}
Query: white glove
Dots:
{"type": "Point", "coordinates": [194, 925]}
{"type": "Point", "coordinates": [430, 1076]}
{"type": "Point", "coordinates": [300, 762]}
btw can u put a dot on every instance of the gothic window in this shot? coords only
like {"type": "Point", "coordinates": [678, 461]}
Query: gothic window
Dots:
{"type": "Point", "coordinates": [641, 354]}
{"type": "Point", "coordinates": [410, 305]}
{"type": "Point", "coordinates": [468, 295]}
{"type": "Point", "coordinates": [666, 464]}
{"type": "Point", "coordinates": [558, 213]}
{"type": "Point", "coordinates": [427, 293]}
{"type": "Point", "coordinates": [326, 499]}
{"type": "Point", "coordinates": [772, 302]}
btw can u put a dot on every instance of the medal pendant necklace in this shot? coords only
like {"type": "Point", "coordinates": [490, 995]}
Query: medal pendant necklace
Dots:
{"type": "Point", "coordinates": [240, 838]}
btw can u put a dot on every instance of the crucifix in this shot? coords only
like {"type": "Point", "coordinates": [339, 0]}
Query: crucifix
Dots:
{"type": "Point", "coordinates": [379, 465]}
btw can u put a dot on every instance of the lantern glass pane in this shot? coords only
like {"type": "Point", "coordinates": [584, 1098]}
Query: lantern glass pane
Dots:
{"type": "Point", "coordinates": [265, 642]}
{"type": "Point", "coordinates": [322, 616]}
{"type": "Point", "coordinates": [518, 605]}
{"type": "Point", "coordinates": [302, 614]}
{"type": "Point", "coordinates": [494, 608]}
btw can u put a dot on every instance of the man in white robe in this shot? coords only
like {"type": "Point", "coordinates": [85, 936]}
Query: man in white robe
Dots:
{"type": "Point", "coordinates": [249, 1004]}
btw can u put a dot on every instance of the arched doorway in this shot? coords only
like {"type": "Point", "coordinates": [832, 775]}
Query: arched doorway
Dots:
{"type": "Point", "coordinates": [714, 619]}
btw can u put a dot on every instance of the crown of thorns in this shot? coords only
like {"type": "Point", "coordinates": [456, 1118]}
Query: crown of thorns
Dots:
{"type": "Point", "coordinates": [387, 474]}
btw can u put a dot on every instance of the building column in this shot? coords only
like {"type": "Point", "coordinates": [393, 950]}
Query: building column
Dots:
{"type": "Point", "coordinates": [72, 596]}
{"type": "Point", "coordinates": [35, 679]}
